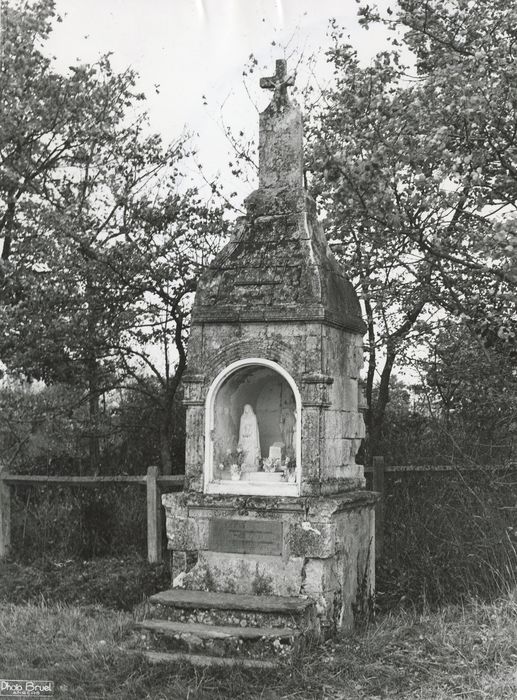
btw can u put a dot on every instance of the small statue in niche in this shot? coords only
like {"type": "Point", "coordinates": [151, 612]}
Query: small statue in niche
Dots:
{"type": "Point", "coordinates": [249, 439]}
{"type": "Point", "coordinates": [225, 435]}
{"type": "Point", "coordinates": [288, 428]}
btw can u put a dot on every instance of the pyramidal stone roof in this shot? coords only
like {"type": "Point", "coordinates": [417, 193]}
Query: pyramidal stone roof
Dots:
{"type": "Point", "coordinates": [278, 265]}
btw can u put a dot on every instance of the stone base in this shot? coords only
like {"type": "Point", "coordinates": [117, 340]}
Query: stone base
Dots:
{"type": "Point", "coordinates": [206, 628]}
{"type": "Point", "coordinates": [316, 547]}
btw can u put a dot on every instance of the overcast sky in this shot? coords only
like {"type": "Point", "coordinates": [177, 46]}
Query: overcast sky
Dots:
{"type": "Point", "coordinates": [191, 48]}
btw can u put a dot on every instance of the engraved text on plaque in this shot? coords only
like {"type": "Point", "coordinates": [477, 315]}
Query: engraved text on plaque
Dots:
{"type": "Point", "coordinates": [246, 536]}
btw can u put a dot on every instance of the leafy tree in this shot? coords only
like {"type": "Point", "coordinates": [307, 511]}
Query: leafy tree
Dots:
{"type": "Point", "coordinates": [471, 392]}
{"type": "Point", "coordinates": [34, 429]}
{"type": "Point", "coordinates": [136, 419]}
{"type": "Point", "coordinates": [407, 416]}
{"type": "Point", "coordinates": [463, 410]}
{"type": "Point", "coordinates": [413, 160]}
{"type": "Point", "coordinates": [102, 240]}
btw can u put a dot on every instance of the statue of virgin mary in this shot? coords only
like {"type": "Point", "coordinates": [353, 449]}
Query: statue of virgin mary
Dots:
{"type": "Point", "coordinates": [249, 440]}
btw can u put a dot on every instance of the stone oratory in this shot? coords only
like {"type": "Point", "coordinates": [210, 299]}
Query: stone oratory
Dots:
{"type": "Point", "coordinates": [273, 533]}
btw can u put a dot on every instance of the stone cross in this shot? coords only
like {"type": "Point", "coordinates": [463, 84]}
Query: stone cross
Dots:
{"type": "Point", "coordinates": [280, 135]}
{"type": "Point", "coordinates": [278, 82]}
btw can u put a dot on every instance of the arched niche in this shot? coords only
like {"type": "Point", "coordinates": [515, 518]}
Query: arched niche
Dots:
{"type": "Point", "coordinates": [253, 419]}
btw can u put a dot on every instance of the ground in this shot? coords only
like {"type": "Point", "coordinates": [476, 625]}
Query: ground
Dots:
{"type": "Point", "coordinates": [467, 652]}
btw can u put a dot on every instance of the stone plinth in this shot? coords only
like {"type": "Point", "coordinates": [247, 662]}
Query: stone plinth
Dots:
{"type": "Point", "coordinates": [324, 548]}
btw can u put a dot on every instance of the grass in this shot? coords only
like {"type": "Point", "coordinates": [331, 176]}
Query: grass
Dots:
{"type": "Point", "coordinates": [70, 622]}
{"type": "Point", "coordinates": [447, 538]}
{"type": "Point", "coordinates": [116, 582]}
{"type": "Point", "coordinates": [463, 652]}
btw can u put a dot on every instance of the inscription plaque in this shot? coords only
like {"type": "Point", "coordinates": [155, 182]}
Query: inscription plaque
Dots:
{"type": "Point", "coordinates": [246, 536]}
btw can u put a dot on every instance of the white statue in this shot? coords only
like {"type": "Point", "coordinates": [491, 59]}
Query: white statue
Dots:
{"type": "Point", "coordinates": [249, 440]}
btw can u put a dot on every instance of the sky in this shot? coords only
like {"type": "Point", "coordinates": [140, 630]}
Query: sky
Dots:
{"type": "Point", "coordinates": [188, 50]}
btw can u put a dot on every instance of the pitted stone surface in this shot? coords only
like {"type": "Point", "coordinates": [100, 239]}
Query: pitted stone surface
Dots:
{"type": "Point", "coordinates": [274, 269]}
{"type": "Point", "coordinates": [228, 617]}
{"type": "Point", "coordinates": [219, 640]}
{"type": "Point", "coordinates": [179, 598]}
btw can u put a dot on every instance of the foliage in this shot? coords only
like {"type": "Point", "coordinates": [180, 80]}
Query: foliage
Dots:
{"type": "Point", "coordinates": [69, 523]}
{"type": "Point", "coordinates": [41, 428]}
{"type": "Point", "coordinates": [409, 435]}
{"type": "Point", "coordinates": [463, 411]}
{"type": "Point", "coordinates": [413, 163]}
{"type": "Point", "coordinates": [137, 421]}
{"type": "Point", "coordinates": [102, 240]}
{"type": "Point", "coordinates": [471, 390]}
{"type": "Point", "coordinates": [118, 583]}
{"type": "Point", "coordinates": [44, 429]}
{"type": "Point", "coordinates": [448, 536]}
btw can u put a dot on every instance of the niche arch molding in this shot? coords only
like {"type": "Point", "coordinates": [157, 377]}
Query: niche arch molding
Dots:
{"type": "Point", "coordinates": [212, 485]}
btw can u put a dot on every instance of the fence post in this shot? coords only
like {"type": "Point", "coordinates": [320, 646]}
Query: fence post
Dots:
{"type": "Point", "coordinates": [154, 517]}
{"type": "Point", "coordinates": [5, 515]}
{"type": "Point", "coordinates": [378, 485]}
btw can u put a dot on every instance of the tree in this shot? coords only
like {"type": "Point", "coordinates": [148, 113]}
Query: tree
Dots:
{"type": "Point", "coordinates": [462, 411]}
{"type": "Point", "coordinates": [102, 240]}
{"type": "Point", "coordinates": [413, 162]}
{"type": "Point", "coordinates": [471, 395]}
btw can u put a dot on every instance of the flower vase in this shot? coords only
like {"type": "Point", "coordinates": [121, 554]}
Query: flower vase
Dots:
{"type": "Point", "coordinates": [235, 472]}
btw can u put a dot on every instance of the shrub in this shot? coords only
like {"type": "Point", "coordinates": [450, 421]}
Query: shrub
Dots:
{"type": "Point", "coordinates": [63, 522]}
{"type": "Point", "coordinates": [114, 582]}
{"type": "Point", "coordinates": [448, 536]}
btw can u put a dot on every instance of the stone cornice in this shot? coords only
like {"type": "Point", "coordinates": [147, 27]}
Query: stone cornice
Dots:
{"type": "Point", "coordinates": [236, 315]}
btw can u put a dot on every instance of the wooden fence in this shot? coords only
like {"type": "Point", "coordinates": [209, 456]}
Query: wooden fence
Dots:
{"type": "Point", "coordinates": [379, 468]}
{"type": "Point", "coordinates": [152, 481]}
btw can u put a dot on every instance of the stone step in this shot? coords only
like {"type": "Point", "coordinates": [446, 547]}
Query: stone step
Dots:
{"type": "Point", "coordinates": [161, 657]}
{"type": "Point", "coordinates": [215, 631]}
{"type": "Point", "coordinates": [180, 597]}
{"type": "Point", "coordinates": [180, 605]}
{"type": "Point", "coordinates": [219, 640]}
